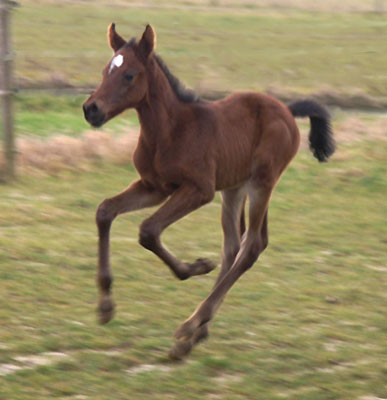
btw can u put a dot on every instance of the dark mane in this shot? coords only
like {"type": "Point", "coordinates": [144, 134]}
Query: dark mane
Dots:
{"type": "Point", "coordinates": [183, 93]}
{"type": "Point", "coordinates": [131, 42]}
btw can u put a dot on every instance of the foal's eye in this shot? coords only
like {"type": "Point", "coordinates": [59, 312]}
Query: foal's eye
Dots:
{"type": "Point", "coordinates": [129, 77]}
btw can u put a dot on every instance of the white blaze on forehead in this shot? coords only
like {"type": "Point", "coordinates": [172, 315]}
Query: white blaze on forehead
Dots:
{"type": "Point", "coordinates": [116, 62]}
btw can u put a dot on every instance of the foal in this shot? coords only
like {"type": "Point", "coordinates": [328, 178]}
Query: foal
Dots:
{"type": "Point", "coordinates": [189, 148]}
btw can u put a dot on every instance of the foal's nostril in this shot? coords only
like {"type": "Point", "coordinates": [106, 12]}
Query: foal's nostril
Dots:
{"type": "Point", "coordinates": [93, 108]}
{"type": "Point", "coordinates": [93, 114]}
{"type": "Point", "coordinates": [90, 110]}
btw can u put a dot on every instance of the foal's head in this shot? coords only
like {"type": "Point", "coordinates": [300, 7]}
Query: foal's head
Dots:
{"type": "Point", "coordinates": [124, 84]}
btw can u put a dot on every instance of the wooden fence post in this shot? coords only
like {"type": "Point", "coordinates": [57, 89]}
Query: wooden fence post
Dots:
{"type": "Point", "coordinates": [6, 89]}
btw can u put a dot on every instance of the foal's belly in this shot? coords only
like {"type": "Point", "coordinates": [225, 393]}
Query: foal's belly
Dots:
{"type": "Point", "coordinates": [230, 180]}
{"type": "Point", "coordinates": [234, 159]}
{"type": "Point", "coordinates": [233, 169]}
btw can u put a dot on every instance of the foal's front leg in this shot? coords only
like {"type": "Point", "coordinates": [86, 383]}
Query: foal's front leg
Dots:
{"type": "Point", "coordinates": [135, 197]}
{"type": "Point", "coordinates": [184, 200]}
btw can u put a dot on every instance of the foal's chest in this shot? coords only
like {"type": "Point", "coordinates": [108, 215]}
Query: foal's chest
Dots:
{"type": "Point", "coordinates": [156, 168]}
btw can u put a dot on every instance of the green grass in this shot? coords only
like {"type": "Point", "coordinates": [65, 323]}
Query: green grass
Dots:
{"type": "Point", "coordinates": [212, 48]}
{"type": "Point", "coordinates": [42, 115]}
{"type": "Point", "coordinates": [208, 49]}
{"type": "Point", "coordinates": [306, 323]}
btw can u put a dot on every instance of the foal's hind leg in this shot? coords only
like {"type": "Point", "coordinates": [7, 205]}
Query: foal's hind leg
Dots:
{"type": "Point", "coordinates": [253, 243]}
{"type": "Point", "coordinates": [137, 196]}
{"type": "Point", "coordinates": [233, 228]}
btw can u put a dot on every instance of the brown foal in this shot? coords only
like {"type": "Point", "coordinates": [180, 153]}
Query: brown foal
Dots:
{"type": "Point", "coordinates": [187, 150]}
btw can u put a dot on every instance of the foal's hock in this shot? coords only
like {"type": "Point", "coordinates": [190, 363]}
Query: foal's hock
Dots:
{"type": "Point", "coordinates": [189, 148]}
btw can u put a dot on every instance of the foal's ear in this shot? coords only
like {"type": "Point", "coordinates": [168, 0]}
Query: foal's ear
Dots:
{"type": "Point", "coordinates": [147, 43]}
{"type": "Point", "coordinates": [115, 40]}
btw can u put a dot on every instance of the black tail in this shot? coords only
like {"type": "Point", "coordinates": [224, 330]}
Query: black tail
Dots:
{"type": "Point", "coordinates": [321, 141]}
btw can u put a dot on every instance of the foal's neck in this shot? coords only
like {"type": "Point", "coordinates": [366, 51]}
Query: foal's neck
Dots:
{"type": "Point", "coordinates": [158, 111]}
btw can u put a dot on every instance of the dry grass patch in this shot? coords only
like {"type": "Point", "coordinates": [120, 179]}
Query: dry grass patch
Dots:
{"type": "Point", "coordinates": [63, 152]}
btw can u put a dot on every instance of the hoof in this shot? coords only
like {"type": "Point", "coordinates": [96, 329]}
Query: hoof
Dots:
{"type": "Point", "coordinates": [185, 331]}
{"type": "Point", "coordinates": [180, 350]}
{"type": "Point", "coordinates": [105, 311]}
{"type": "Point", "coordinates": [200, 334]}
{"type": "Point", "coordinates": [201, 266]}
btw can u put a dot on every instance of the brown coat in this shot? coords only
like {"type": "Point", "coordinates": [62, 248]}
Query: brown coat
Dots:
{"type": "Point", "coordinates": [187, 150]}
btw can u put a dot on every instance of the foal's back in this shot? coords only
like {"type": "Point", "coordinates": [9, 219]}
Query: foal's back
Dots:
{"type": "Point", "coordinates": [242, 131]}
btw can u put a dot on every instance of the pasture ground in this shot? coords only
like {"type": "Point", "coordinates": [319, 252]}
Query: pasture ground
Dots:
{"type": "Point", "coordinates": [307, 322]}
{"type": "Point", "coordinates": [259, 46]}
{"type": "Point", "coordinates": [211, 48]}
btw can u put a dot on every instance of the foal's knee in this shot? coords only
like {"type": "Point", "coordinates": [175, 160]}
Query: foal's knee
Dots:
{"type": "Point", "coordinates": [105, 214]}
{"type": "Point", "coordinates": [148, 236]}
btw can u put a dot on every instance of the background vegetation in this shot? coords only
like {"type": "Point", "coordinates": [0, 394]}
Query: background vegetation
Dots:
{"type": "Point", "coordinates": [306, 323]}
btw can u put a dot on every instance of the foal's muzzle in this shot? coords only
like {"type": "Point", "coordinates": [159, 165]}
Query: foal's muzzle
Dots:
{"type": "Point", "coordinates": [93, 114]}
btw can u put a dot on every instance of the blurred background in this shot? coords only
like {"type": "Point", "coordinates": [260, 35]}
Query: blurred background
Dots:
{"type": "Point", "coordinates": [309, 321]}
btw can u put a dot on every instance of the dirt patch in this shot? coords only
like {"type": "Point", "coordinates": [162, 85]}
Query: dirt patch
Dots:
{"type": "Point", "coordinates": [32, 361]}
{"type": "Point", "coordinates": [148, 368]}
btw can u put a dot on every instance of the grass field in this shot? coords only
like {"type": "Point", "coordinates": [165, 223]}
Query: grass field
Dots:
{"type": "Point", "coordinates": [211, 48]}
{"type": "Point", "coordinates": [254, 47]}
{"type": "Point", "coordinates": [42, 115]}
{"type": "Point", "coordinates": [306, 323]}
